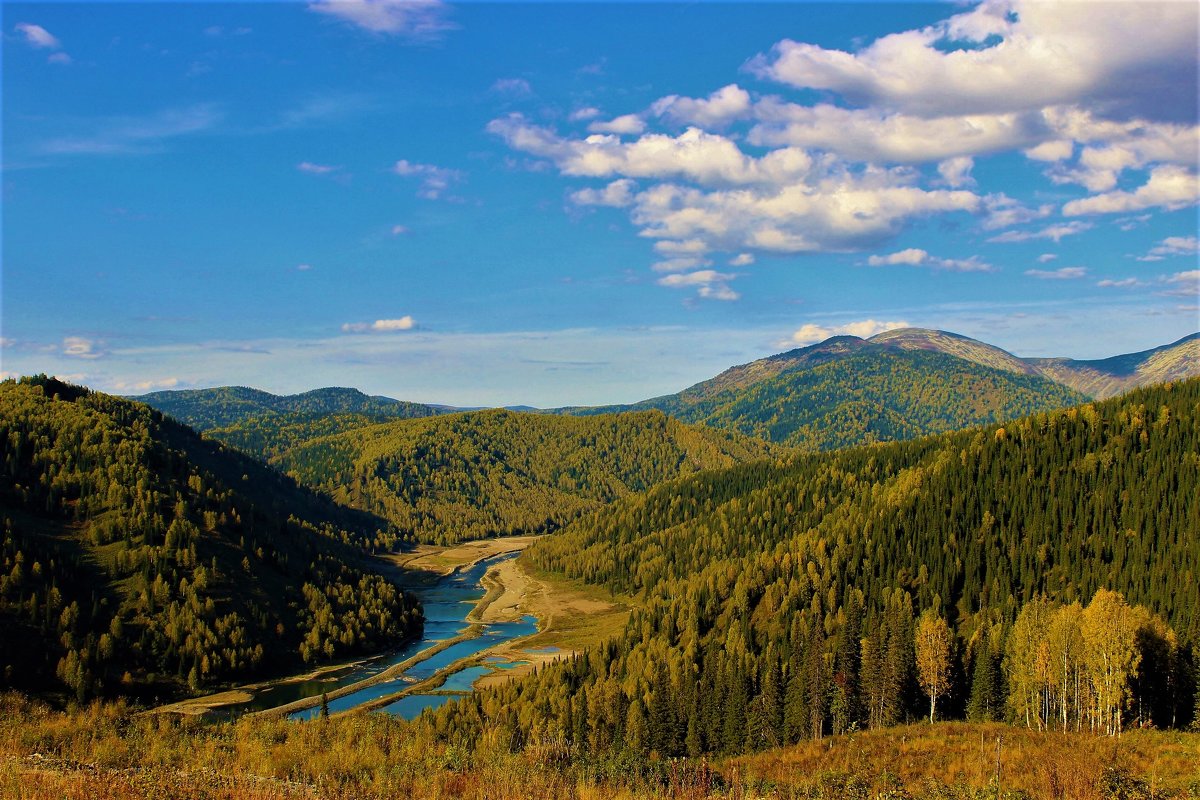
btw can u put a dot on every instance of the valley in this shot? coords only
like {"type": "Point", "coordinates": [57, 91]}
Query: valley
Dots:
{"type": "Point", "coordinates": [623, 603]}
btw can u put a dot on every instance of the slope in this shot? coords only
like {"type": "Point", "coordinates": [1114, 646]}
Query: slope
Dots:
{"type": "Point", "coordinates": [137, 554]}
{"type": "Point", "coordinates": [780, 601]}
{"type": "Point", "coordinates": [1113, 376]}
{"type": "Point", "coordinates": [475, 474]}
{"type": "Point", "coordinates": [848, 391]}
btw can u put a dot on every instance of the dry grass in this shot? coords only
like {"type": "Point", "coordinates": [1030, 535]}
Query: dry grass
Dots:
{"type": "Point", "coordinates": [1050, 765]}
{"type": "Point", "coordinates": [107, 751]}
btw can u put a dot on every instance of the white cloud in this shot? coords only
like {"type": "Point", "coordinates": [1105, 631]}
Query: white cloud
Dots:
{"type": "Point", "coordinates": [1021, 56]}
{"type": "Point", "coordinates": [417, 20]}
{"type": "Point", "coordinates": [863, 329]}
{"type": "Point", "coordinates": [1052, 150]}
{"type": "Point", "coordinates": [518, 87]}
{"type": "Point", "coordinates": [435, 180]}
{"type": "Point", "coordinates": [726, 105]}
{"type": "Point", "coordinates": [405, 323]}
{"type": "Point", "coordinates": [80, 347]}
{"type": "Point", "coordinates": [399, 230]}
{"type": "Point", "coordinates": [1169, 186]}
{"type": "Point", "coordinates": [915, 257]}
{"type": "Point", "coordinates": [316, 169]}
{"type": "Point", "coordinates": [1124, 283]}
{"type": "Point", "coordinates": [680, 264]}
{"type": "Point", "coordinates": [880, 136]}
{"type": "Point", "coordinates": [1052, 232]}
{"type": "Point", "coordinates": [303, 267]}
{"type": "Point", "coordinates": [1172, 246]}
{"type": "Point", "coordinates": [1003, 211]}
{"type": "Point", "coordinates": [583, 114]}
{"type": "Point", "coordinates": [956, 171]}
{"type": "Point", "coordinates": [709, 284]}
{"type": "Point", "coordinates": [59, 58]}
{"type": "Point", "coordinates": [1060, 274]}
{"type": "Point", "coordinates": [625, 125]}
{"type": "Point", "coordinates": [742, 260]}
{"type": "Point", "coordinates": [1184, 284]}
{"type": "Point", "coordinates": [617, 194]}
{"type": "Point", "coordinates": [37, 36]}
{"type": "Point", "coordinates": [143, 386]}
{"type": "Point", "coordinates": [1046, 258]}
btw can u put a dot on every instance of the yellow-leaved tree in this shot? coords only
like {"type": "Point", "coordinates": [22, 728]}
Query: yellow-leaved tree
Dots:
{"type": "Point", "coordinates": [933, 656]}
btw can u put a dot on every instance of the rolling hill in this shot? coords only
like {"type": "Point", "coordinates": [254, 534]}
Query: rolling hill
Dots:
{"type": "Point", "coordinates": [136, 554]}
{"type": "Point", "coordinates": [203, 409]}
{"type": "Point", "coordinates": [484, 473]}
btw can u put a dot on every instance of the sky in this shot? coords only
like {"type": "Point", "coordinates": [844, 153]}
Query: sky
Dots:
{"type": "Point", "coordinates": [583, 203]}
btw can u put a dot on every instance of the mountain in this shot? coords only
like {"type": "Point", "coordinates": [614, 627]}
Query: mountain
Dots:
{"type": "Point", "coordinates": [1109, 377]}
{"type": "Point", "coordinates": [848, 391]}
{"type": "Point", "coordinates": [203, 409]}
{"type": "Point", "coordinates": [1099, 379]}
{"type": "Point", "coordinates": [902, 384]}
{"type": "Point", "coordinates": [136, 554]}
{"type": "Point", "coordinates": [788, 600]}
{"type": "Point", "coordinates": [483, 473]}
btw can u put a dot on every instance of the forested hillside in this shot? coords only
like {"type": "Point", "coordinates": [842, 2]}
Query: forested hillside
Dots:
{"type": "Point", "coordinates": [136, 555]}
{"type": "Point", "coordinates": [847, 391]}
{"type": "Point", "coordinates": [1045, 571]}
{"type": "Point", "coordinates": [465, 476]}
{"type": "Point", "coordinates": [203, 409]}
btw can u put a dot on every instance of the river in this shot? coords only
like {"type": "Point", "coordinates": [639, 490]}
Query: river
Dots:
{"type": "Point", "coordinates": [446, 605]}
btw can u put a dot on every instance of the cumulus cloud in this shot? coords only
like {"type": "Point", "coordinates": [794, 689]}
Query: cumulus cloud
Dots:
{"type": "Point", "coordinates": [718, 110]}
{"type": "Point", "coordinates": [617, 194]}
{"type": "Point", "coordinates": [1012, 57]}
{"type": "Point", "coordinates": [742, 260]}
{"type": "Point", "coordinates": [863, 329]}
{"type": "Point", "coordinates": [1169, 186]}
{"type": "Point", "coordinates": [878, 135]}
{"type": "Point", "coordinates": [1172, 246]}
{"type": "Point", "coordinates": [1052, 232]}
{"type": "Point", "coordinates": [915, 257]}
{"type": "Point", "coordinates": [37, 36]}
{"type": "Point", "coordinates": [435, 180]}
{"type": "Point", "coordinates": [416, 20]}
{"type": "Point", "coordinates": [405, 323]}
{"type": "Point", "coordinates": [1060, 274]}
{"type": "Point", "coordinates": [709, 284]}
{"type": "Point", "coordinates": [625, 125]}
{"type": "Point", "coordinates": [80, 347]}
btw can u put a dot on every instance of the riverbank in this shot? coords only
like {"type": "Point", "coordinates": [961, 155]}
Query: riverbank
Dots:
{"type": "Point", "coordinates": [425, 564]}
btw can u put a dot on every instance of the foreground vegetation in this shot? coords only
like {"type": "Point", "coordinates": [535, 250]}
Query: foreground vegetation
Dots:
{"type": "Point", "coordinates": [106, 750]}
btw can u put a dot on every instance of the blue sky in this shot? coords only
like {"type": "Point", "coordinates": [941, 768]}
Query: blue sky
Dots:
{"type": "Point", "coordinates": [583, 203]}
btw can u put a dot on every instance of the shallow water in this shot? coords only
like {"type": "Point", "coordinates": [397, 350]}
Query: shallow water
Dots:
{"type": "Point", "coordinates": [446, 605]}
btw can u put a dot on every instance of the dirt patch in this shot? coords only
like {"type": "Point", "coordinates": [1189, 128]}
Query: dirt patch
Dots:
{"type": "Point", "coordinates": [427, 563]}
{"type": "Point", "coordinates": [202, 705]}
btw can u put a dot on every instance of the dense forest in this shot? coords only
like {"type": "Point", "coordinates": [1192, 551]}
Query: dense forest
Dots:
{"type": "Point", "coordinates": [1045, 572]}
{"type": "Point", "coordinates": [847, 391]}
{"type": "Point", "coordinates": [137, 557]}
{"type": "Point", "coordinates": [203, 409]}
{"type": "Point", "coordinates": [485, 473]}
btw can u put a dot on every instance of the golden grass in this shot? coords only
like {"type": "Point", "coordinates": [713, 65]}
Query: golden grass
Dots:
{"type": "Point", "coordinates": [108, 751]}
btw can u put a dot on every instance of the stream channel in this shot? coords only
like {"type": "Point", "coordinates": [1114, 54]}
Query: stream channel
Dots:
{"type": "Point", "coordinates": [447, 604]}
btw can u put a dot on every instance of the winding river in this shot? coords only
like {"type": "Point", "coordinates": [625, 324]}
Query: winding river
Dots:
{"type": "Point", "coordinates": [446, 604]}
